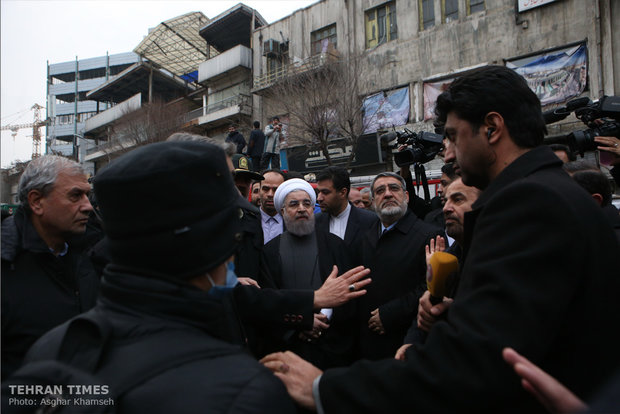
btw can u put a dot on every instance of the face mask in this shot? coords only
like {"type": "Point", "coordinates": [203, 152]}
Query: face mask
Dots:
{"type": "Point", "coordinates": [218, 291]}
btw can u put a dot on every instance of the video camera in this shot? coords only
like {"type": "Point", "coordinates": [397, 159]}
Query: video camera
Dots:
{"type": "Point", "coordinates": [589, 112]}
{"type": "Point", "coordinates": [424, 146]}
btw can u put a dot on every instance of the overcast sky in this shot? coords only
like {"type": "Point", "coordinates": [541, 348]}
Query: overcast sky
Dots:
{"type": "Point", "coordinates": [34, 32]}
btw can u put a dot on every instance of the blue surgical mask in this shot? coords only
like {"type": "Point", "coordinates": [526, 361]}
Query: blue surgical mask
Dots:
{"type": "Point", "coordinates": [219, 291]}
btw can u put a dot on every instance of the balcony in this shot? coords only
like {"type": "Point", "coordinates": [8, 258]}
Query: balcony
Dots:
{"type": "Point", "coordinates": [68, 88]}
{"type": "Point", "coordinates": [64, 132]}
{"type": "Point", "coordinates": [69, 108]}
{"type": "Point", "coordinates": [239, 58]}
{"type": "Point", "coordinates": [97, 123]}
{"type": "Point", "coordinates": [312, 63]}
{"type": "Point", "coordinates": [223, 110]}
{"type": "Point", "coordinates": [105, 149]}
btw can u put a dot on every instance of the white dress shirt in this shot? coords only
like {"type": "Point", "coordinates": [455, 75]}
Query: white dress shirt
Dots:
{"type": "Point", "coordinates": [338, 224]}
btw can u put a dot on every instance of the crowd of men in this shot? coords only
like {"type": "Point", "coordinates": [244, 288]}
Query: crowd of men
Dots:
{"type": "Point", "coordinates": [189, 305]}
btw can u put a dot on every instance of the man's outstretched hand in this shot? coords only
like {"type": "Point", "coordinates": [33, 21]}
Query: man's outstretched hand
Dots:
{"type": "Point", "coordinates": [338, 290]}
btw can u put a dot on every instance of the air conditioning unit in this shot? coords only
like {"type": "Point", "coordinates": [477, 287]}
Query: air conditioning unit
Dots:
{"type": "Point", "coordinates": [271, 48]}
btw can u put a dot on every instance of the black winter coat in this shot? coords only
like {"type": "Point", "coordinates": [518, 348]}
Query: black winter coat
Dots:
{"type": "Point", "coordinates": [540, 275]}
{"type": "Point", "coordinates": [397, 263]}
{"type": "Point", "coordinates": [139, 308]}
{"type": "Point", "coordinates": [39, 290]}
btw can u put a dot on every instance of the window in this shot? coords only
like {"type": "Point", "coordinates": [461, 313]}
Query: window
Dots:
{"type": "Point", "coordinates": [274, 66]}
{"type": "Point", "coordinates": [323, 38]}
{"type": "Point", "coordinates": [474, 6]}
{"type": "Point", "coordinates": [64, 119]}
{"type": "Point", "coordinates": [427, 14]}
{"type": "Point", "coordinates": [449, 10]}
{"type": "Point", "coordinates": [381, 25]}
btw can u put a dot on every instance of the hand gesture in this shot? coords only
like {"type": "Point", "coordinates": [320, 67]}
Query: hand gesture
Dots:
{"type": "Point", "coordinates": [338, 290]}
{"type": "Point", "coordinates": [438, 244]}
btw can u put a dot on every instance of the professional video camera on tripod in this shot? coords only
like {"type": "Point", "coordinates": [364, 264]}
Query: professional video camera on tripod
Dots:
{"type": "Point", "coordinates": [424, 147]}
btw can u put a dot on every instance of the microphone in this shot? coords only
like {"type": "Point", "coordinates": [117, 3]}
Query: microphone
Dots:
{"type": "Point", "coordinates": [439, 275]}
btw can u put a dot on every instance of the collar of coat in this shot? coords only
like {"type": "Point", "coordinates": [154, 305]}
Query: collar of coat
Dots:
{"type": "Point", "coordinates": [18, 234]}
{"type": "Point", "coordinates": [534, 160]}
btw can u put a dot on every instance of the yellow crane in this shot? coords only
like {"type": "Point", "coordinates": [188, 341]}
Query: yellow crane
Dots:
{"type": "Point", "coordinates": [36, 132]}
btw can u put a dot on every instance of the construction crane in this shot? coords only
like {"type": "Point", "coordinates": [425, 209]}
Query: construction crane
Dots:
{"type": "Point", "coordinates": [36, 132]}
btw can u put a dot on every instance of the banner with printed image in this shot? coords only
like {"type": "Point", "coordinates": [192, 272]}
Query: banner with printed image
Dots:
{"type": "Point", "coordinates": [386, 110]}
{"type": "Point", "coordinates": [555, 76]}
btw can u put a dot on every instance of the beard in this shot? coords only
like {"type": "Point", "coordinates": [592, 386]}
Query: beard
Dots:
{"type": "Point", "coordinates": [392, 213]}
{"type": "Point", "coordinates": [299, 227]}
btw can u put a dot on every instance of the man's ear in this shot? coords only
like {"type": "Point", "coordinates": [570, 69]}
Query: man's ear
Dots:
{"type": "Point", "coordinates": [35, 198]}
{"type": "Point", "coordinates": [344, 192]}
{"type": "Point", "coordinates": [495, 126]}
{"type": "Point", "coordinates": [598, 198]}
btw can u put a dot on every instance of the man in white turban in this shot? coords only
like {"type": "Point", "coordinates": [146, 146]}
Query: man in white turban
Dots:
{"type": "Point", "coordinates": [295, 200]}
{"type": "Point", "coordinates": [302, 258]}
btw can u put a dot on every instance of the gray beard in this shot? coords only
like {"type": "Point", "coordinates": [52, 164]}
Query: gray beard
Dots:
{"type": "Point", "coordinates": [392, 213]}
{"type": "Point", "coordinates": [299, 228]}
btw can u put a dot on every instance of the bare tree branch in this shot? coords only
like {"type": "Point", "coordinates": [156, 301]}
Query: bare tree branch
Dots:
{"type": "Point", "coordinates": [323, 101]}
{"type": "Point", "coordinates": [153, 122]}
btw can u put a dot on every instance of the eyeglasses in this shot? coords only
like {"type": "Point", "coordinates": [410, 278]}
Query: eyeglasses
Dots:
{"type": "Point", "coordinates": [295, 203]}
{"type": "Point", "coordinates": [394, 188]}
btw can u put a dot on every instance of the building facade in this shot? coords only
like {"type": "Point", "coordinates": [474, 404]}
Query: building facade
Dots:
{"type": "Point", "coordinates": [67, 105]}
{"type": "Point", "coordinates": [411, 49]}
{"type": "Point", "coordinates": [226, 69]}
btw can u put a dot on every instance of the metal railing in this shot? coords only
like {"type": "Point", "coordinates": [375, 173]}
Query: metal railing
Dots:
{"type": "Point", "coordinates": [196, 113]}
{"type": "Point", "coordinates": [244, 101]}
{"type": "Point", "coordinates": [295, 68]}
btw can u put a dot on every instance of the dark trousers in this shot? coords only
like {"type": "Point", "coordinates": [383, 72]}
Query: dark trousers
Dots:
{"type": "Point", "coordinates": [267, 157]}
{"type": "Point", "coordinates": [256, 163]}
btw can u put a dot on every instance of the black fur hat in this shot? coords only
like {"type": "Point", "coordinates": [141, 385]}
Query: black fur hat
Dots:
{"type": "Point", "coordinates": [170, 208]}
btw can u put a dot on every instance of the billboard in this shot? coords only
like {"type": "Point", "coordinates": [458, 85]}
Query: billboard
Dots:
{"type": "Point", "coordinates": [555, 76]}
{"type": "Point", "coordinates": [385, 110]}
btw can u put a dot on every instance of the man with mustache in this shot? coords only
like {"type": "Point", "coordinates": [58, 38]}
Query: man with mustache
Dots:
{"type": "Point", "coordinates": [302, 258]}
{"type": "Point", "coordinates": [459, 199]}
{"type": "Point", "coordinates": [393, 249]}
{"type": "Point", "coordinates": [529, 281]}
{"type": "Point", "coordinates": [42, 262]}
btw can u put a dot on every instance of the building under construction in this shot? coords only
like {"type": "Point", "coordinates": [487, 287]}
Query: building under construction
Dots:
{"type": "Point", "coordinates": [67, 105]}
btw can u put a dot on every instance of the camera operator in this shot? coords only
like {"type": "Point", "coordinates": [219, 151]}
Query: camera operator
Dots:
{"type": "Point", "coordinates": [274, 137]}
{"type": "Point", "coordinates": [610, 145]}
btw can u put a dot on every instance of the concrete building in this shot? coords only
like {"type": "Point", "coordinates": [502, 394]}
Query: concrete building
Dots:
{"type": "Point", "coordinates": [227, 77]}
{"type": "Point", "coordinates": [154, 97]}
{"type": "Point", "coordinates": [411, 49]}
{"type": "Point", "coordinates": [68, 108]}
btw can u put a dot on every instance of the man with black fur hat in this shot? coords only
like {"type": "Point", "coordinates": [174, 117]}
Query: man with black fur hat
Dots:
{"type": "Point", "coordinates": [167, 307]}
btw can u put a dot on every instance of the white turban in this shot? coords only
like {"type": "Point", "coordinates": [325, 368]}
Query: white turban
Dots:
{"type": "Point", "coordinates": [288, 187]}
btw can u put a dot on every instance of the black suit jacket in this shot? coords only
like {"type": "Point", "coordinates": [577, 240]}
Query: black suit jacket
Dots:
{"type": "Point", "coordinates": [397, 263]}
{"type": "Point", "coordinates": [359, 222]}
{"type": "Point", "coordinates": [540, 275]}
